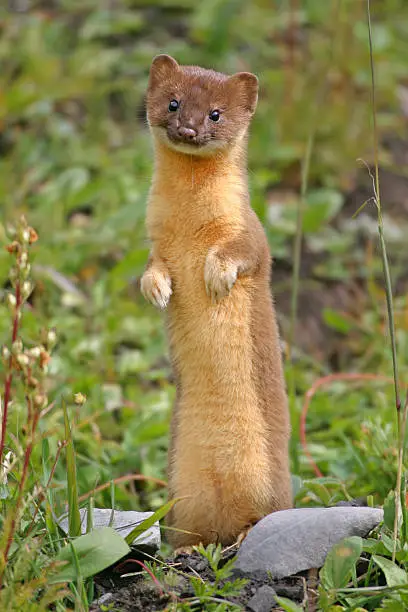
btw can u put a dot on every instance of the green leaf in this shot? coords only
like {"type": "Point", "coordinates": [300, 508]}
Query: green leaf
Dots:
{"type": "Point", "coordinates": [45, 457]}
{"type": "Point", "coordinates": [336, 321]}
{"type": "Point", "coordinates": [288, 605]}
{"type": "Point", "coordinates": [392, 605]}
{"type": "Point", "coordinates": [319, 490]}
{"type": "Point", "coordinates": [389, 510]}
{"type": "Point", "coordinates": [49, 504]}
{"type": "Point", "coordinates": [373, 546]}
{"type": "Point", "coordinates": [321, 206]}
{"type": "Point", "coordinates": [388, 543]}
{"type": "Point", "coordinates": [94, 552]}
{"type": "Point", "coordinates": [394, 575]}
{"type": "Point", "coordinates": [151, 520]}
{"type": "Point", "coordinates": [340, 562]}
{"type": "Point", "coordinates": [89, 514]}
{"type": "Point", "coordinates": [74, 517]}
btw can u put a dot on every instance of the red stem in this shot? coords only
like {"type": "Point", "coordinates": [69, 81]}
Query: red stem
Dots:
{"type": "Point", "coordinates": [27, 456]}
{"type": "Point", "coordinates": [119, 568]}
{"type": "Point", "coordinates": [9, 378]}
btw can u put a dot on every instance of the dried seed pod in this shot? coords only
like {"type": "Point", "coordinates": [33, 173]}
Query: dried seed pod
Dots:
{"type": "Point", "coordinates": [26, 289]}
{"type": "Point", "coordinates": [13, 247]}
{"type": "Point", "coordinates": [14, 275]}
{"type": "Point", "coordinates": [51, 338]}
{"type": "Point", "coordinates": [44, 358]}
{"type": "Point", "coordinates": [32, 382]}
{"type": "Point", "coordinates": [17, 347]}
{"type": "Point", "coordinates": [79, 399]}
{"type": "Point", "coordinates": [40, 400]}
{"type": "Point", "coordinates": [22, 360]}
{"type": "Point", "coordinates": [11, 301]}
{"type": "Point", "coordinates": [25, 271]}
{"type": "Point", "coordinates": [34, 352]}
{"type": "Point", "coordinates": [25, 236]}
{"type": "Point", "coordinates": [5, 354]}
{"type": "Point", "coordinates": [33, 235]}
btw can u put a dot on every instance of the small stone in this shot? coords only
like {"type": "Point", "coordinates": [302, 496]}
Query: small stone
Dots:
{"type": "Point", "coordinates": [290, 541]}
{"type": "Point", "coordinates": [105, 599]}
{"type": "Point", "coordinates": [123, 522]}
{"type": "Point", "coordinates": [263, 600]}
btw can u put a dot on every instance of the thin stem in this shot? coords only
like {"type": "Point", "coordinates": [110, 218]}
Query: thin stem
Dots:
{"type": "Point", "coordinates": [390, 311]}
{"type": "Point", "coordinates": [401, 421]}
{"type": "Point", "coordinates": [21, 486]}
{"type": "Point", "coordinates": [377, 197]}
{"type": "Point", "coordinates": [120, 567]}
{"type": "Point", "coordinates": [297, 252]}
{"type": "Point", "coordinates": [398, 488]}
{"type": "Point", "coordinates": [47, 486]}
{"type": "Point", "coordinates": [9, 377]}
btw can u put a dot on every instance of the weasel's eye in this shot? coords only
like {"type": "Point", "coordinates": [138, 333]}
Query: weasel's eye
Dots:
{"type": "Point", "coordinates": [173, 106]}
{"type": "Point", "coordinates": [215, 115]}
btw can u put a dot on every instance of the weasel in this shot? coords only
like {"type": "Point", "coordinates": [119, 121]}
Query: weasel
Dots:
{"type": "Point", "coordinates": [209, 266]}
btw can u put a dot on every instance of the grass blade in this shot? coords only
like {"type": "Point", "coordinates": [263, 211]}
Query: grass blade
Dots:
{"type": "Point", "coordinates": [150, 521]}
{"type": "Point", "coordinates": [401, 420]}
{"type": "Point", "coordinates": [74, 517]}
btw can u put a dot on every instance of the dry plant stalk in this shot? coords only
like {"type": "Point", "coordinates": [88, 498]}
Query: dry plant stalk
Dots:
{"type": "Point", "coordinates": [30, 366]}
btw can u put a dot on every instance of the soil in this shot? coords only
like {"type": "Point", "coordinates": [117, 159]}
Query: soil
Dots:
{"type": "Point", "coordinates": [117, 592]}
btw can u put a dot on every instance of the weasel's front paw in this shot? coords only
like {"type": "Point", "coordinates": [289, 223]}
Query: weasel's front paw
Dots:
{"type": "Point", "coordinates": [155, 286]}
{"type": "Point", "coordinates": [219, 276]}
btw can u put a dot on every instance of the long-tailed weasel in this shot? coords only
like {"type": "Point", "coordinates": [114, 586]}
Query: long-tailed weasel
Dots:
{"type": "Point", "coordinates": [209, 266]}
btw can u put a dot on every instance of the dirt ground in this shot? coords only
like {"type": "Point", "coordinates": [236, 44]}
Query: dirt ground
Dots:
{"type": "Point", "coordinates": [135, 594]}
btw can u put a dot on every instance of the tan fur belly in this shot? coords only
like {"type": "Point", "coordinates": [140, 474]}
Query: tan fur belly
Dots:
{"type": "Point", "coordinates": [220, 456]}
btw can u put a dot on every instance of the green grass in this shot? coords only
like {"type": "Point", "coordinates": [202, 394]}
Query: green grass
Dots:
{"type": "Point", "coordinates": [76, 160]}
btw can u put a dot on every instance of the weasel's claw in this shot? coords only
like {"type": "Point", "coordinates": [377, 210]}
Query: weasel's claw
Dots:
{"type": "Point", "coordinates": [219, 276]}
{"type": "Point", "coordinates": [156, 288]}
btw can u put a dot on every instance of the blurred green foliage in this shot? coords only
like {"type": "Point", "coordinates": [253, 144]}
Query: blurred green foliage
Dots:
{"type": "Point", "coordinates": [75, 157]}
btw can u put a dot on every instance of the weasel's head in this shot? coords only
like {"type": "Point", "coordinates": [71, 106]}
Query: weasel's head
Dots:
{"type": "Point", "coordinates": [198, 111]}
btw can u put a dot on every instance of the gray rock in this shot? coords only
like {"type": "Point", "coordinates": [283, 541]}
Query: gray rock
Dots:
{"type": "Point", "coordinates": [263, 600]}
{"type": "Point", "coordinates": [290, 541]}
{"type": "Point", "coordinates": [105, 599]}
{"type": "Point", "coordinates": [123, 523]}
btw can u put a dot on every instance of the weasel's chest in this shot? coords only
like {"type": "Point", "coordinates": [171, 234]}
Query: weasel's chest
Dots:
{"type": "Point", "coordinates": [182, 234]}
{"type": "Point", "coordinates": [184, 247]}
{"type": "Point", "coordinates": [185, 258]}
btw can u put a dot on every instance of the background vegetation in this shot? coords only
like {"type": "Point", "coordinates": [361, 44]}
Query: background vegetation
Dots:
{"type": "Point", "coordinates": [75, 158]}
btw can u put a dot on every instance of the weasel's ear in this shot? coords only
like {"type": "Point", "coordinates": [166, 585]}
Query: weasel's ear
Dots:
{"type": "Point", "coordinates": [163, 66]}
{"type": "Point", "coordinates": [245, 87]}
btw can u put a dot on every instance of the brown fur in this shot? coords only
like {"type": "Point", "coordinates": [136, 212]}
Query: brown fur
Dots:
{"type": "Point", "coordinates": [210, 265]}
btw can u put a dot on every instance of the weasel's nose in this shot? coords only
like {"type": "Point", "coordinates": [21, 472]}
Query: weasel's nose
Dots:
{"type": "Point", "coordinates": [187, 133]}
